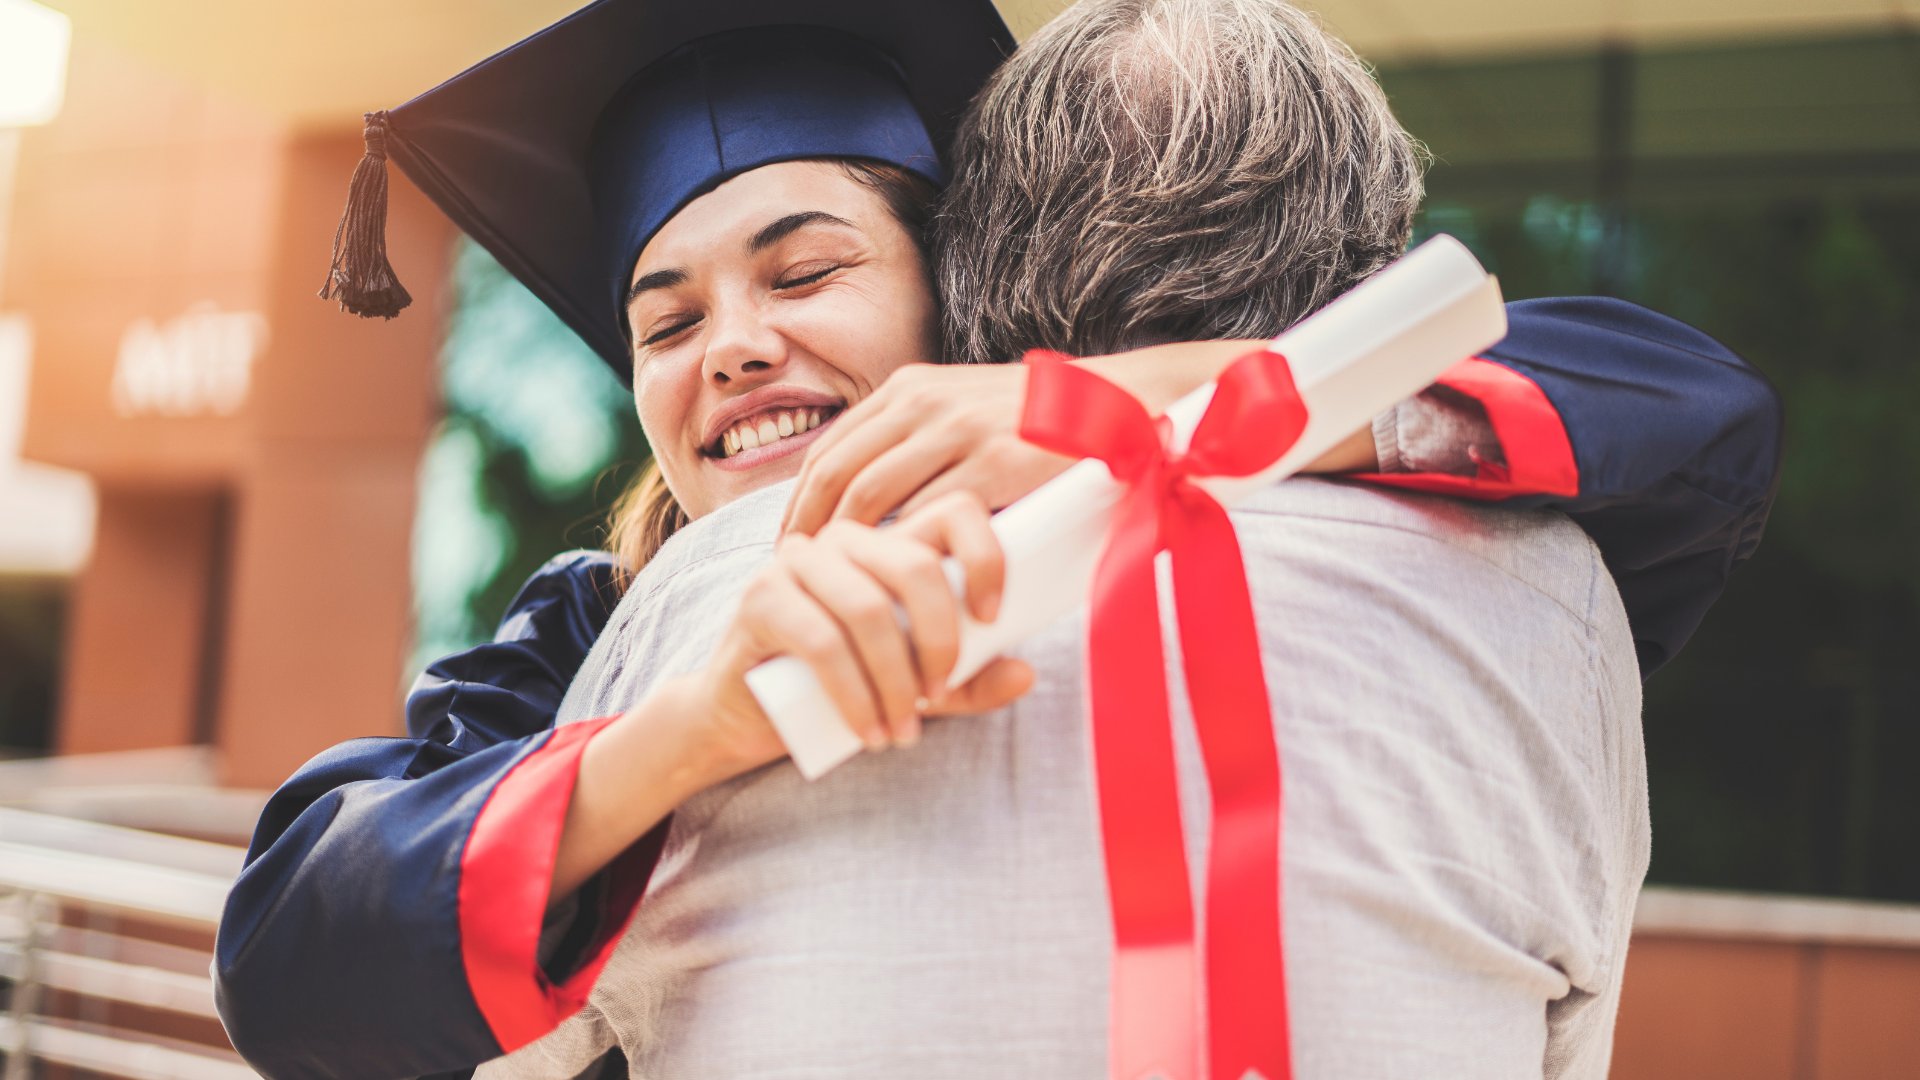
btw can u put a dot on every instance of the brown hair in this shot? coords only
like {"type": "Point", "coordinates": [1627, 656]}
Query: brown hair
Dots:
{"type": "Point", "coordinates": [1143, 171]}
{"type": "Point", "coordinates": [646, 514]}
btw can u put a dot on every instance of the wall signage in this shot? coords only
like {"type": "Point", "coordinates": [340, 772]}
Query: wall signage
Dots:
{"type": "Point", "coordinates": [198, 364]}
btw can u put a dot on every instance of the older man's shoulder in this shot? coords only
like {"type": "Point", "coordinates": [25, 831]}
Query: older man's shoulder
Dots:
{"type": "Point", "coordinates": [1311, 517]}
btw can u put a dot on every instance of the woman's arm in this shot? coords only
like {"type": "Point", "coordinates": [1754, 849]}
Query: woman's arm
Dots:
{"type": "Point", "coordinates": [511, 686]}
{"type": "Point", "coordinates": [416, 906]}
{"type": "Point", "coordinates": [385, 924]}
{"type": "Point", "coordinates": [933, 429]}
{"type": "Point", "coordinates": [1658, 441]}
{"type": "Point", "coordinates": [835, 601]}
{"type": "Point", "coordinates": [352, 928]}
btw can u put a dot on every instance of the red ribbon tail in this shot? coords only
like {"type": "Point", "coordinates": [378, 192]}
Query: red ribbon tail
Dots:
{"type": "Point", "coordinates": [1220, 649]}
{"type": "Point", "coordinates": [1154, 1013]}
{"type": "Point", "coordinates": [1255, 416]}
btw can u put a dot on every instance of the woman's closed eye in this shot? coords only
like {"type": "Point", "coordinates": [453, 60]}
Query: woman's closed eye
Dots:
{"type": "Point", "coordinates": [668, 328]}
{"type": "Point", "coordinates": [806, 275]}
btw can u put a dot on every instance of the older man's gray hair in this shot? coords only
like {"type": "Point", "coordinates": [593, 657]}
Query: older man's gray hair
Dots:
{"type": "Point", "coordinates": [1154, 170]}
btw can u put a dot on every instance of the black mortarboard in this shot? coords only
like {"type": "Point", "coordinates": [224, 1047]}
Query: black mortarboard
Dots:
{"type": "Point", "coordinates": [563, 154]}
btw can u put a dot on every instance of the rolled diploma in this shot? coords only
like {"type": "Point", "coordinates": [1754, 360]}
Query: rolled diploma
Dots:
{"type": "Point", "coordinates": [1381, 343]}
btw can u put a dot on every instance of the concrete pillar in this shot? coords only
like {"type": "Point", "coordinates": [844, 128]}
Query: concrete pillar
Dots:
{"type": "Point", "coordinates": [319, 621]}
{"type": "Point", "coordinates": [135, 674]}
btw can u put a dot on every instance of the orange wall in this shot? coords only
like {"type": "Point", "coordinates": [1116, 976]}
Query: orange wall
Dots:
{"type": "Point", "coordinates": [1703, 1009]}
{"type": "Point", "coordinates": [320, 616]}
{"type": "Point", "coordinates": [143, 199]}
{"type": "Point", "coordinates": [250, 578]}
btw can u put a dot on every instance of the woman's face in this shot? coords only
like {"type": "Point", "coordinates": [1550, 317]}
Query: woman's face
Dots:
{"type": "Point", "coordinates": [759, 313]}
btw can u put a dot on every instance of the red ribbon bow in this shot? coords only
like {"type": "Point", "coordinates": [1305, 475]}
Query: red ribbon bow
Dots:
{"type": "Point", "coordinates": [1255, 416]}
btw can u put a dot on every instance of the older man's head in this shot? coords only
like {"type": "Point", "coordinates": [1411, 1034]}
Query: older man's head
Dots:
{"type": "Point", "coordinates": [1153, 170]}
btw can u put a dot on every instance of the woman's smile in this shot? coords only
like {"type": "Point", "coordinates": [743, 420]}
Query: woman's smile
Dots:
{"type": "Point", "coordinates": [769, 436]}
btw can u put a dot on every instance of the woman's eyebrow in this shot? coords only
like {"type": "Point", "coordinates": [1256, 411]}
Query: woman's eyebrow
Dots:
{"type": "Point", "coordinates": [770, 234]}
{"type": "Point", "coordinates": [784, 227]}
{"type": "Point", "coordinates": [659, 279]}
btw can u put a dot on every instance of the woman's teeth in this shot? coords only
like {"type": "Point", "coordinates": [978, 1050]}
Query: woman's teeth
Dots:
{"type": "Point", "coordinates": [769, 428]}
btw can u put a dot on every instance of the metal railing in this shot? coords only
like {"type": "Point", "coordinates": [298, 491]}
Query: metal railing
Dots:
{"type": "Point", "coordinates": [54, 869]}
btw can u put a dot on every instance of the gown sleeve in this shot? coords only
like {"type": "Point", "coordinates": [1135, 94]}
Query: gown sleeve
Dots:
{"type": "Point", "coordinates": [1657, 440]}
{"type": "Point", "coordinates": [391, 920]}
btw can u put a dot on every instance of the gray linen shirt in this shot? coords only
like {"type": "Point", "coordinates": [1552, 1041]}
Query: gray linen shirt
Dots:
{"type": "Point", "coordinates": [1457, 706]}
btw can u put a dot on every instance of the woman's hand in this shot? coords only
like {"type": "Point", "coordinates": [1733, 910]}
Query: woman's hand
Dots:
{"type": "Point", "coordinates": [835, 601]}
{"type": "Point", "coordinates": [832, 601]}
{"type": "Point", "coordinates": [932, 429]}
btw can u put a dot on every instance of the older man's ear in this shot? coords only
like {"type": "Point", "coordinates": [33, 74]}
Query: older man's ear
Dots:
{"type": "Point", "coordinates": [932, 429]}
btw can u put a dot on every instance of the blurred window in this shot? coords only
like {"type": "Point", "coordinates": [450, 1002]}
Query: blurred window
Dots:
{"type": "Point", "coordinates": [1770, 195]}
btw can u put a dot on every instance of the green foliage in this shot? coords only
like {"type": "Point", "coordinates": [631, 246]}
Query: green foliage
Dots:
{"type": "Point", "coordinates": [537, 441]}
{"type": "Point", "coordinates": [1782, 743]}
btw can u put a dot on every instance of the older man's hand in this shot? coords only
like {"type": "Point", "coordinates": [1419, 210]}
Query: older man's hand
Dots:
{"type": "Point", "coordinates": [932, 429]}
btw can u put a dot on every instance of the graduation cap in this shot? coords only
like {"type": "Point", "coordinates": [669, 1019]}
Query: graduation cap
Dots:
{"type": "Point", "coordinates": [562, 155]}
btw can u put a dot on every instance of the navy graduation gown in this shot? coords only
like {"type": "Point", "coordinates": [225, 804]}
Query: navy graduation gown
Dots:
{"type": "Point", "coordinates": [1656, 439]}
{"type": "Point", "coordinates": [391, 921]}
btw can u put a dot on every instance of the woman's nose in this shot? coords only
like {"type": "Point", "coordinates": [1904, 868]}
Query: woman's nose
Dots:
{"type": "Point", "coordinates": [740, 345]}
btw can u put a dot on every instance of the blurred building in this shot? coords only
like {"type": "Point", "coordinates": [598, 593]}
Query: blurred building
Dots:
{"type": "Point", "coordinates": [208, 477]}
